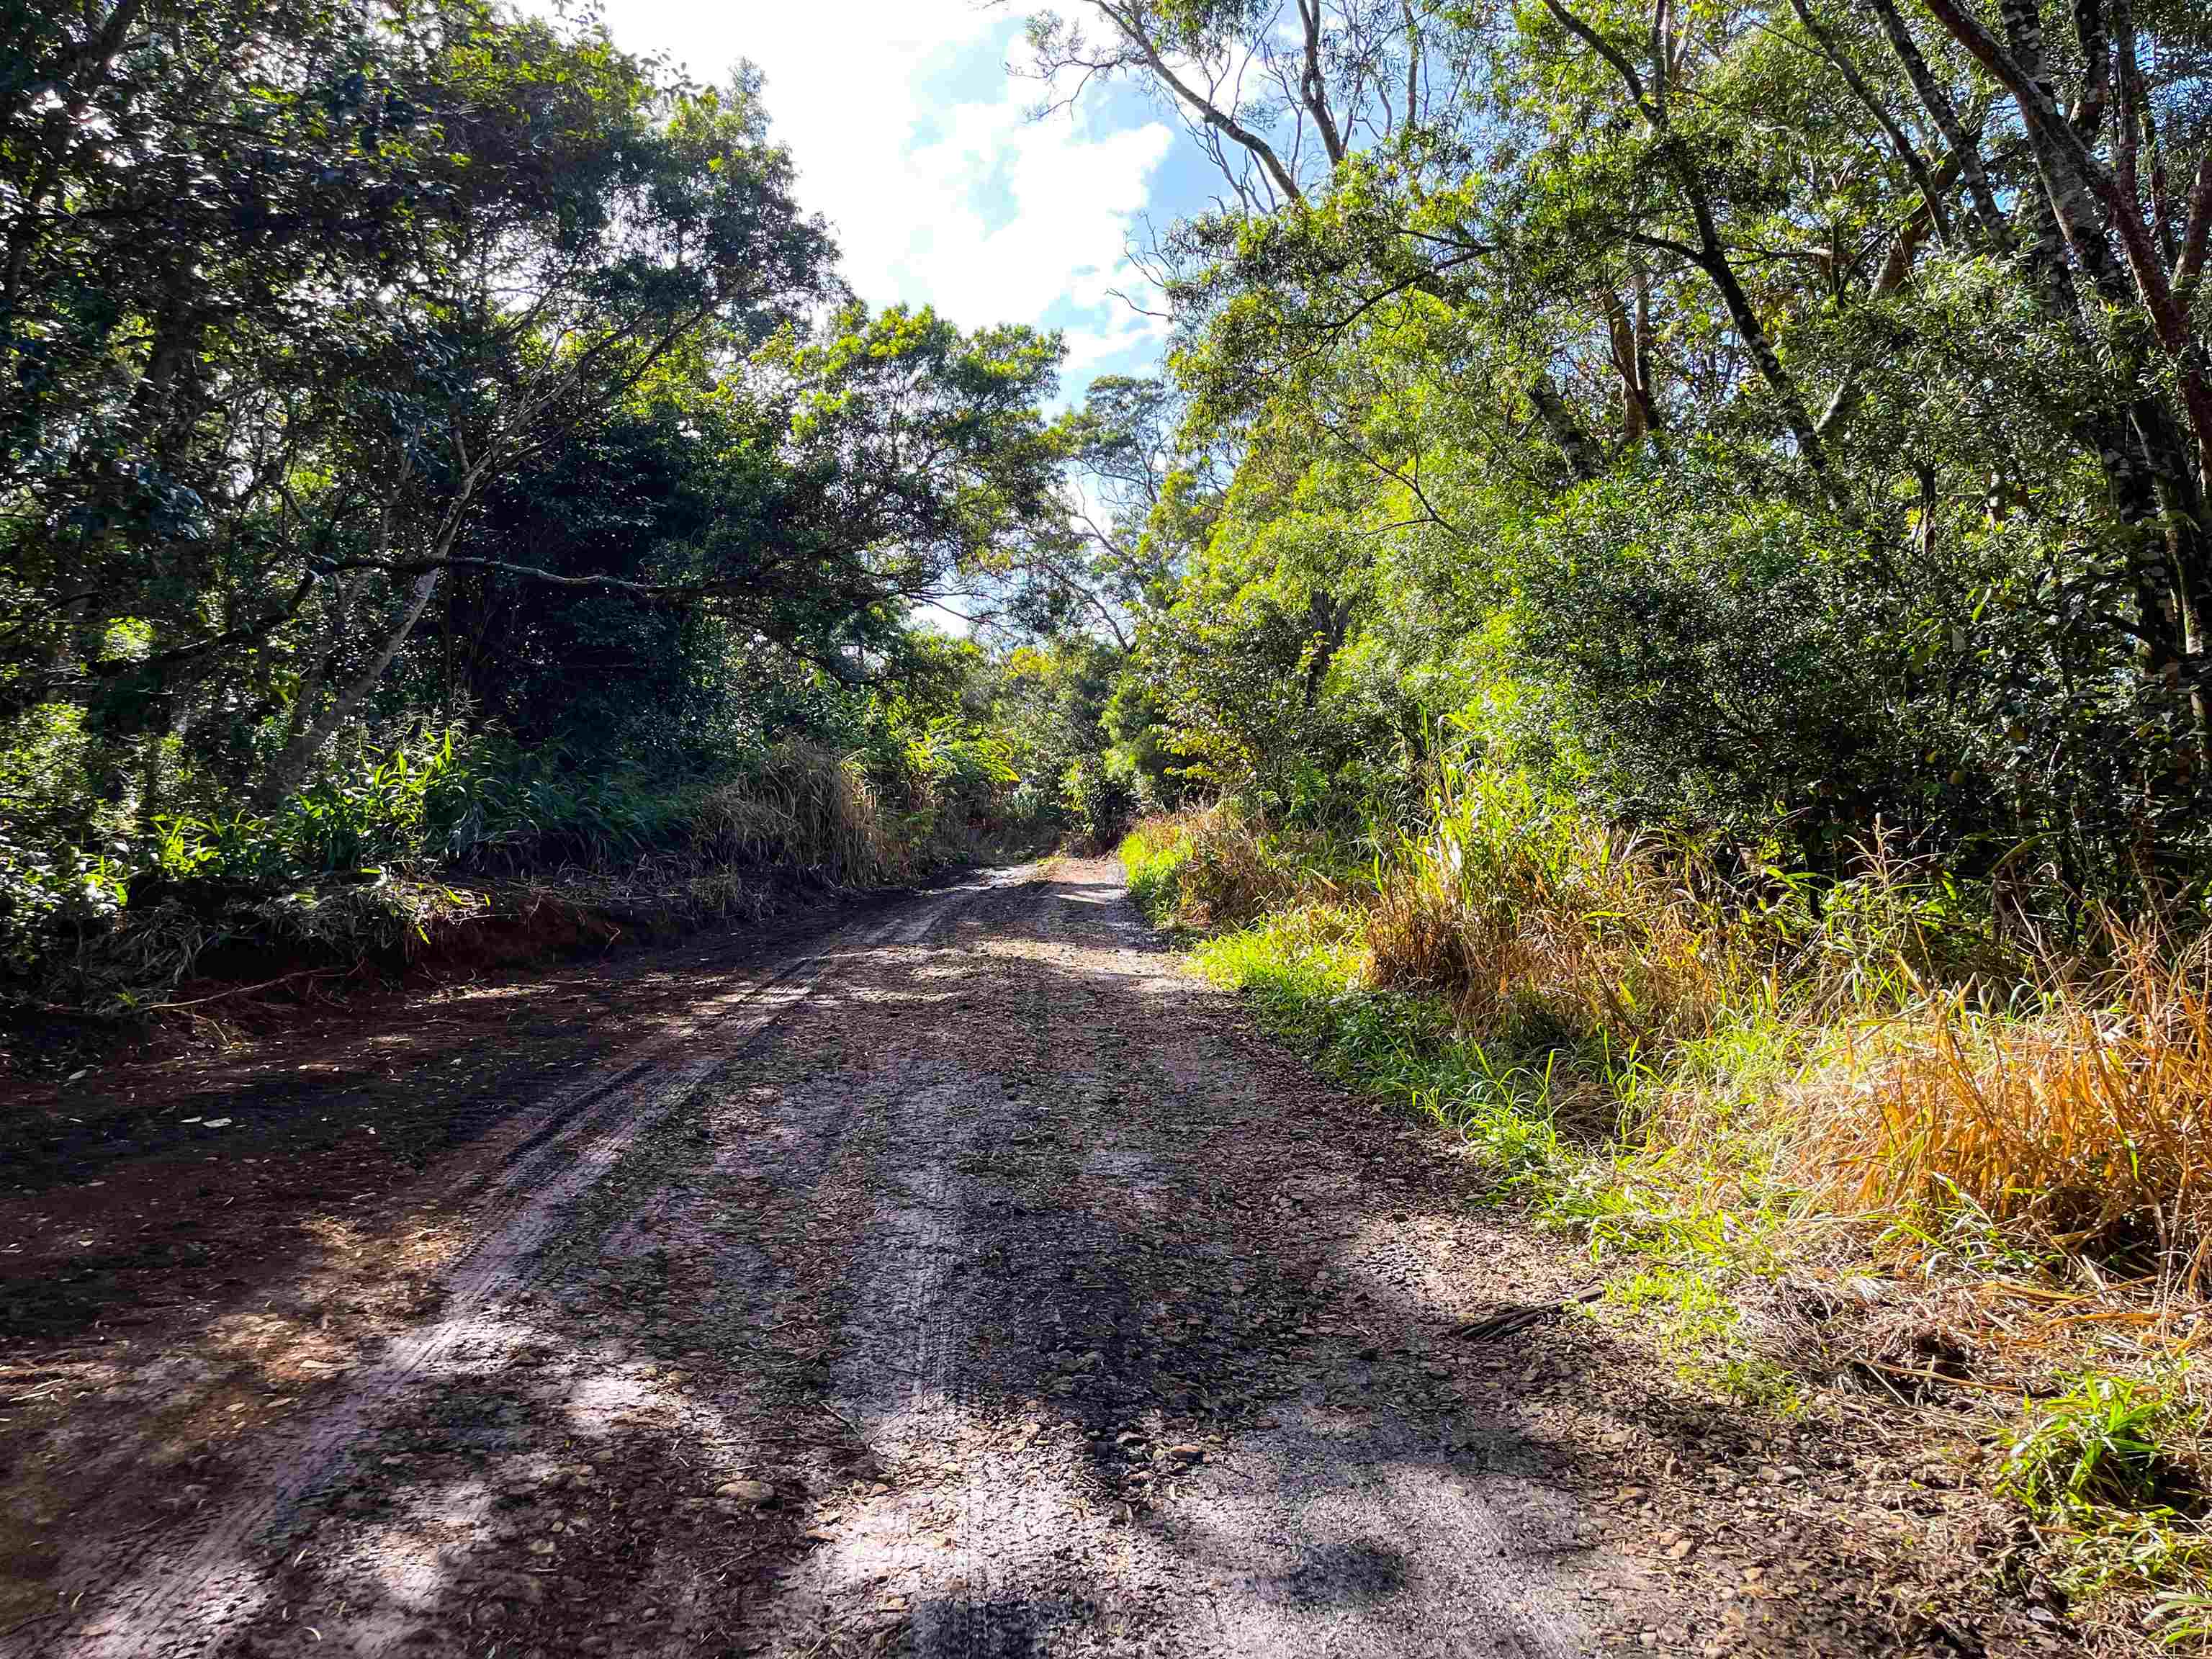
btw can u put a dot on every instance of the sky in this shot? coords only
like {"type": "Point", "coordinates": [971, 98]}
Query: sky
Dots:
{"type": "Point", "coordinates": [911, 137]}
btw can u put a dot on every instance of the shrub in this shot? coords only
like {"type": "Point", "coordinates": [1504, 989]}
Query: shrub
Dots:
{"type": "Point", "coordinates": [1152, 854]}
{"type": "Point", "coordinates": [1221, 867]}
{"type": "Point", "coordinates": [45, 890]}
{"type": "Point", "coordinates": [962, 780]}
{"type": "Point", "coordinates": [1098, 798]}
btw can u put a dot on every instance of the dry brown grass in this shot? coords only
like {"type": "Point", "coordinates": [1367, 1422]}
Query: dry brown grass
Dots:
{"type": "Point", "coordinates": [1588, 936]}
{"type": "Point", "coordinates": [1224, 867]}
{"type": "Point", "coordinates": [806, 808]}
{"type": "Point", "coordinates": [1895, 1064]}
{"type": "Point", "coordinates": [2082, 1124]}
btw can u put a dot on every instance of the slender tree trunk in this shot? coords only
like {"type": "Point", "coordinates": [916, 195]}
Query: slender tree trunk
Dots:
{"type": "Point", "coordinates": [313, 723]}
{"type": "Point", "coordinates": [1566, 432]}
{"type": "Point", "coordinates": [1964, 145]}
{"type": "Point", "coordinates": [289, 770]}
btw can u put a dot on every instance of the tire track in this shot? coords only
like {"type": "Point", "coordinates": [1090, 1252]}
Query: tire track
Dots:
{"type": "Point", "coordinates": [172, 1599]}
{"type": "Point", "coordinates": [1042, 1327]}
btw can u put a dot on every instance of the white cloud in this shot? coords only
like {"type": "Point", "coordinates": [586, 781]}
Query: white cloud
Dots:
{"type": "Point", "coordinates": [916, 146]}
{"type": "Point", "coordinates": [1088, 348]}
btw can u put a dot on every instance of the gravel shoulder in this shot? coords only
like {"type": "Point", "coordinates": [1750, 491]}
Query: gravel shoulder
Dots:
{"type": "Point", "coordinates": [957, 1277]}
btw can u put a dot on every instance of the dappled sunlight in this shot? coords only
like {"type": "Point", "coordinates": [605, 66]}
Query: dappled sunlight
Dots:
{"type": "Point", "coordinates": [1273, 1517]}
{"type": "Point", "coordinates": [965, 1294]}
{"type": "Point", "coordinates": [595, 1402]}
{"type": "Point", "coordinates": [451, 1490]}
{"type": "Point", "coordinates": [398, 1569]}
{"type": "Point", "coordinates": [1313, 1527]}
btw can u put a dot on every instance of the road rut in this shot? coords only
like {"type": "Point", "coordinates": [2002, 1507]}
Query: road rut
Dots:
{"type": "Point", "coordinates": [963, 1284]}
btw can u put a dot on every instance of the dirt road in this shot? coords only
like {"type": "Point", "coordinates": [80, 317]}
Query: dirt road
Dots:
{"type": "Point", "coordinates": [964, 1281]}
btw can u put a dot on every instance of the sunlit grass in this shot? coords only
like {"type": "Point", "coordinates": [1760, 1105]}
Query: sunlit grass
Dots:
{"type": "Point", "coordinates": [2080, 1119]}
{"type": "Point", "coordinates": [1726, 1095]}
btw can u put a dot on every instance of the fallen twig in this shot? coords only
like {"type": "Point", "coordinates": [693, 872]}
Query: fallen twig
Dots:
{"type": "Point", "coordinates": [243, 990]}
{"type": "Point", "coordinates": [1931, 1374]}
{"type": "Point", "coordinates": [1507, 1321]}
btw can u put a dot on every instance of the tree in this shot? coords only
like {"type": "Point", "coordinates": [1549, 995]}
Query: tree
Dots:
{"type": "Point", "coordinates": [292, 288]}
{"type": "Point", "coordinates": [377, 368]}
{"type": "Point", "coordinates": [1876, 317]}
{"type": "Point", "coordinates": [681, 218]}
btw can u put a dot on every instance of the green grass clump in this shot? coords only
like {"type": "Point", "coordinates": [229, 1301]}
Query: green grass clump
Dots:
{"type": "Point", "coordinates": [1301, 969]}
{"type": "Point", "coordinates": [1153, 860]}
{"type": "Point", "coordinates": [2105, 1471]}
{"type": "Point", "coordinates": [1698, 1323]}
{"type": "Point", "coordinates": [2101, 1445]}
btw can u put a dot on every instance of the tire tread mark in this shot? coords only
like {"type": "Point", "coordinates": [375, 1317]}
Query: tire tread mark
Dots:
{"type": "Point", "coordinates": [181, 1603]}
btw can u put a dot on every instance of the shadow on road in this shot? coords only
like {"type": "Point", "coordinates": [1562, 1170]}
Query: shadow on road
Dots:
{"type": "Point", "coordinates": [1053, 1309]}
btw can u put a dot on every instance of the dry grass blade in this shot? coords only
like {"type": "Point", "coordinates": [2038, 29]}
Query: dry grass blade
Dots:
{"type": "Point", "coordinates": [805, 809]}
{"type": "Point", "coordinates": [2082, 1124]}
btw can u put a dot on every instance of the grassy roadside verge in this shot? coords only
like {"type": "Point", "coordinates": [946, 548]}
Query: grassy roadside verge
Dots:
{"type": "Point", "coordinates": [1866, 1163]}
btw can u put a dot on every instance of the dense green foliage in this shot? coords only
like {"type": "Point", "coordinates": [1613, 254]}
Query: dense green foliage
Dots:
{"type": "Point", "coordinates": [1779, 425]}
{"type": "Point", "coordinates": [438, 443]}
{"type": "Point", "coordinates": [1765, 420]}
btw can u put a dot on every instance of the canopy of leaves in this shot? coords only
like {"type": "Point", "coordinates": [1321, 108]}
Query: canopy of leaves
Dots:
{"type": "Point", "coordinates": [1768, 419]}
{"type": "Point", "coordinates": [371, 369]}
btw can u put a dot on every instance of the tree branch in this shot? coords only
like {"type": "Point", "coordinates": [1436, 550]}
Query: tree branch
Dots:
{"type": "Point", "coordinates": [1966, 146]}
{"type": "Point", "coordinates": [1605, 49]}
{"type": "Point", "coordinates": [2193, 241]}
{"type": "Point", "coordinates": [1208, 112]}
{"type": "Point", "coordinates": [1313, 86]}
{"type": "Point", "coordinates": [1907, 152]}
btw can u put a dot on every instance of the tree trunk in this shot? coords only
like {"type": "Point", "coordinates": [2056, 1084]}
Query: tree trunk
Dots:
{"type": "Point", "coordinates": [289, 770]}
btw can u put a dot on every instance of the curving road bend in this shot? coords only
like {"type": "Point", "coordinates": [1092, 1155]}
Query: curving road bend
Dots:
{"type": "Point", "coordinates": [969, 1282]}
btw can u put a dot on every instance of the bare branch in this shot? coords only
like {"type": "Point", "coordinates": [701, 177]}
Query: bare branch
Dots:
{"type": "Point", "coordinates": [1224, 121]}
{"type": "Point", "coordinates": [2193, 241]}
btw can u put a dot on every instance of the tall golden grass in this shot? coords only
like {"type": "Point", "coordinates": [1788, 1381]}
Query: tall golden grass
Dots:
{"type": "Point", "coordinates": [2081, 1122]}
{"type": "Point", "coordinates": [1225, 869]}
{"type": "Point", "coordinates": [806, 808]}
{"type": "Point", "coordinates": [1595, 938]}
{"type": "Point", "coordinates": [1913, 1066]}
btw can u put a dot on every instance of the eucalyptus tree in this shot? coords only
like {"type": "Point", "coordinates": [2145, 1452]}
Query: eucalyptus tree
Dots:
{"type": "Point", "coordinates": [1276, 93]}
{"type": "Point", "coordinates": [1813, 393]}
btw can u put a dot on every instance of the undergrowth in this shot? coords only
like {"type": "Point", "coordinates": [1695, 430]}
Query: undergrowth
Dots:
{"type": "Point", "coordinates": [390, 847]}
{"type": "Point", "coordinates": [1823, 1138]}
